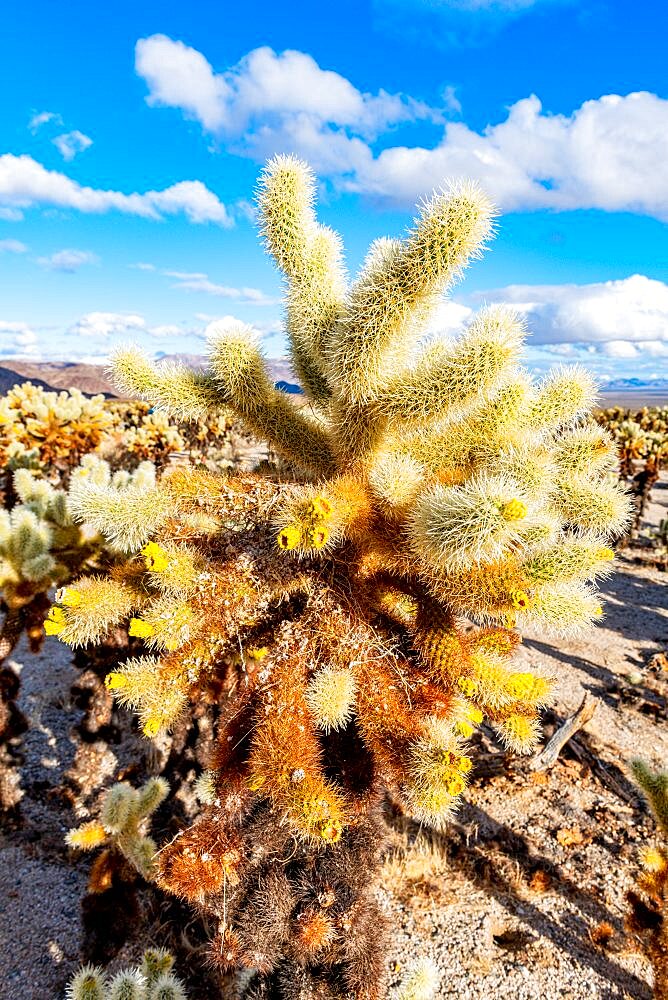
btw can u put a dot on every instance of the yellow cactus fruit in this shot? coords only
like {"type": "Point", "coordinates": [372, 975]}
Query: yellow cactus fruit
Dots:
{"type": "Point", "coordinates": [514, 510]}
{"type": "Point", "coordinates": [289, 537]}
{"type": "Point", "coordinates": [115, 680]}
{"type": "Point", "coordinates": [69, 597]}
{"type": "Point", "coordinates": [157, 559]}
{"type": "Point", "coordinates": [140, 629]}
{"type": "Point", "coordinates": [152, 726]}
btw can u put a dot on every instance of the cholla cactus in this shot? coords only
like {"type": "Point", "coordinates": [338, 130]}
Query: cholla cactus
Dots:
{"type": "Point", "coordinates": [151, 980]}
{"type": "Point", "coordinates": [58, 427]}
{"type": "Point", "coordinates": [422, 983]}
{"type": "Point", "coordinates": [145, 433]}
{"type": "Point", "coordinates": [649, 915]}
{"type": "Point", "coordinates": [124, 816]}
{"type": "Point", "coordinates": [430, 482]}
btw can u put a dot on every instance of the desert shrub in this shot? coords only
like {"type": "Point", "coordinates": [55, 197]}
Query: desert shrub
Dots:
{"type": "Point", "coordinates": [427, 486]}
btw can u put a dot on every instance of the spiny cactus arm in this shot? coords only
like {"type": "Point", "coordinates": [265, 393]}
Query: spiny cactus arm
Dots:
{"type": "Point", "coordinates": [127, 985]}
{"type": "Point", "coordinates": [446, 377]}
{"type": "Point", "coordinates": [285, 760]}
{"type": "Point", "coordinates": [88, 984]}
{"type": "Point", "coordinates": [315, 304]}
{"type": "Point", "coordinates": [311, 519]}
{"type": "Point", "coordinates": [452, 447]}
{"type": "Point", "coordinates": [570, 557]}
{"type": "Point", "coordinates": [586, 450]}
{"type": "Point", "coordinates": [245, 386]}
{"type": "Point", "coordinates": [127, 518]}
{"type": "Point", "coordinates": [123, 814]}
{"type": "Point", "coordinates": [156, 689]}
{"type": "Point", "coordinates": [422, 983]}
{"type": "Point", "coordinates": [330, 696]}
{"type": "Point", "coordinates": [185, 394]}
{"type": "Point", "coordinates": [600, 507]}
{"type": "Point", "coordinates": [454, 527]}
{"type": "Point", "coordinates": [563, 608]}
{"type": "Point", "coordinates": [565, 394]}
{"type": "Point", "coordinates": [436, 771]}
{"type": "Point", "coordinates": [89, 608]}
{"type": "Point", "coordinates": [201, 860]}
{"type": "Point", "coordinates": [395, 480]}
{"type": "Point", "coordinates": [310, 256]}
{"type": "Point", "coordinates": [399, 285]}
{"type": "Point", "coordinates": [488, 591]}
{"type": "Point", "coordinates": [654, 785]}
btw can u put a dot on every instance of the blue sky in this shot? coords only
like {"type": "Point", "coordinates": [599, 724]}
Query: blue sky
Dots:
{"type": "Point", "coordinates": [132, 134]}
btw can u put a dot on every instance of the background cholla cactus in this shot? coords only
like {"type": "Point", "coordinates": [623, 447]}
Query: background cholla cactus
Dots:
{"type": "Point", "coordinates": [151, 980]}
{"type": "Point", "coordinates": [642, 440]}
{"type": "Point", "coordinates": [430, 482]}
{"type": "Point", "coordinates": [41, 547]}
{"type": "Point", "coordinates": [124, 816]}
{"type": "Point", "coordinates": [649, 911]}
{"type": "Point", "coordinates": [56, 428]}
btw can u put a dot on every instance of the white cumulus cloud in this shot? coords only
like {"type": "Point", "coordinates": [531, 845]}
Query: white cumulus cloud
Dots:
{"type": "Point", "coordinates": [264, 89]}
{"type": "Point", "coordinates": [626, 318]}
{"type": "Point", "coordinates": [68, 260]}
{"type": "Point", "coordinates": [69, 144]}
{"type": "Point", "coordinates": [17, 339]}
{"type": "Point", "coordinates": [608, 154]}
{"type": "Point", "coordinates": [12, 246]}
{"type": "Point", "coordinates": [107, 324]}
{"type": "Point", "coordinates": [25, 183]}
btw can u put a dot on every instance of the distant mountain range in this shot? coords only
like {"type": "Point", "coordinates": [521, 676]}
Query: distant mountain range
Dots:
{"type": "Point", "coordinates": [91, 379]}
{"type": "Point", "coordinates": [635, 384]}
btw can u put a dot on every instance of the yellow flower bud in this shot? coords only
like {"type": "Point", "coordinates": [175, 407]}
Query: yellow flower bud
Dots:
{"type": "Point", "coordinates": [115, 680]}
{"type": "Point", "coordinates": [465, 764]}
{"type": "Point", "coordinates": [467, 685]}
{"type": "Point", "coordinates": [152, 726]}
{"type": "Point", "coordinates": [321, 507]}
{"type": "Point", "coordinates": [521, 685]}
{"type": "Point", "coordinates": [257, 652]}
{"type": "Point", "coordinates": [289, 537]}
{"type": "Point", "coordinates": [88, 836]}
{"type": "Point", "coordinates": [53, 628]}
{"type": "Point", "coordinates": [514, 510]}
{"type": "Point", "coordinates": [474, 714]}
{"type": "Point", "coordinates": [69, 597]}
{"type": "Point", "coordinates": [140, 628]}
{"type": "Point", "coordinates": [464, 729]}
{"type": "Point", "coordinates": [156, 558]}
{"type": "Point", "coordinates": [331, 831]}
{"type": "Point", "coordinates": [56, 614]}
{"type": "Point", "coordinates": [318, 537]}
{"type": "Point", "coordinates": [455, 785]}
{"type": "Point", "coordinates": [607, 555]}
{"type": "Point", "coordinates": [519, 599]}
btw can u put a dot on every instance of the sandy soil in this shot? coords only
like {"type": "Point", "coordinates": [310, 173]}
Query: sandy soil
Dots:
{"type": "Point", "coordinates": [522, 897]}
